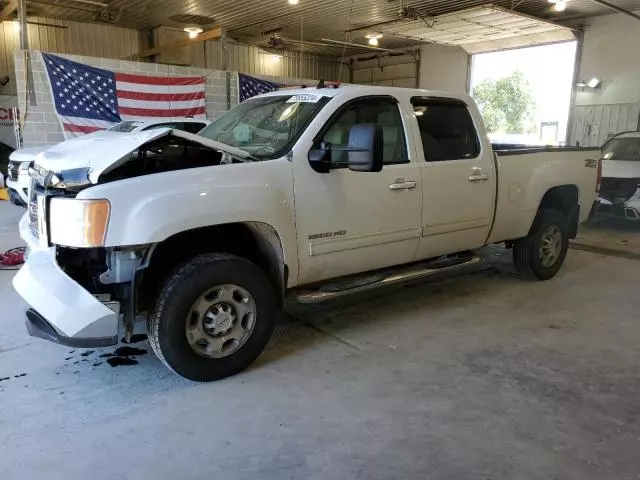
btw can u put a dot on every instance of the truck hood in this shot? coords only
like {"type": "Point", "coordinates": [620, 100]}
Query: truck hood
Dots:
{"type": "Point", "coordinates": [100, 153]}
{"type": "Point", "coordinates": [27, 154]}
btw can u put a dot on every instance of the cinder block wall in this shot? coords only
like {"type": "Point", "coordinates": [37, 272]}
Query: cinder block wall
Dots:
{"type": "Point", "coordinates": [41, 125]}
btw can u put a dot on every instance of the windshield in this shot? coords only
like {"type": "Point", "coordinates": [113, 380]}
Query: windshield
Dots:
{"type": "Point", "coordinates": [622, 148]}
{"type": "Point", "coordinates": [125, 127]}
{"type": "Point", "coordinates": [266, 127]}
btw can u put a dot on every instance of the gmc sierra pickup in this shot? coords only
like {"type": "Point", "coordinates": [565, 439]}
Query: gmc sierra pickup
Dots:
{"type": "Point", "coordinates": [309, 193]}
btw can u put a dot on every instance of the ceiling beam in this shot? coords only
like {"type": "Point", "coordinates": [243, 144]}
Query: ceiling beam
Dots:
{"type": "Point", "coordinates": [617, 8]}
{"type": "Point", "coordinates": [212, 34]}
{"type": "Point", "coordinates": [9, 8]}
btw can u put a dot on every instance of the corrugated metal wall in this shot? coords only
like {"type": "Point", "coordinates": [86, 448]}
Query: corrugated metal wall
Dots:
{"type": "Point", "coordinates": [254, 61]}
{"type": "Point", "coordinates": [77, 38]}
{"type": "Point", "coordinates": [595, 124]}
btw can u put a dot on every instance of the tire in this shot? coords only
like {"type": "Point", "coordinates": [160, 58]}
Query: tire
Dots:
{"type": "Point", "coordinates": [527, 256]}
{"type": "Point", "coordinates": [204, 280]}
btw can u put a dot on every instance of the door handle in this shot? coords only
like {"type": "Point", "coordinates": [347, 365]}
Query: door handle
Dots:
{"type": "Point", "coordinates": [402, 184]}
{"type": "Point", "coordinates": [477, 175]}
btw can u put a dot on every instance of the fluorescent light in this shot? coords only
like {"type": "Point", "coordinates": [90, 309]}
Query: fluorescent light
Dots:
{"type": "Point", "coordinates": [193, 32]}
{"type": "Point", "coordinates": [276, 58]}
{"type": "Point", "coordinates": [594, 82]}
{"type": "Point", "coordinates": [293, 2]}
{"type": "Point", "coordinates": [581, 84]}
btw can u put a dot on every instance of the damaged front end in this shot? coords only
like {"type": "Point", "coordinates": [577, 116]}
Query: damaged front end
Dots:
{"type": "Point", "coordinates": [80, 291]}
{"type": "Point", "coordinates": [620, 198]}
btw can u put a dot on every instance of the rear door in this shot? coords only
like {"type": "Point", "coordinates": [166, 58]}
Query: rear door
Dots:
{"type": "Point", "coordinates": [458, 177]}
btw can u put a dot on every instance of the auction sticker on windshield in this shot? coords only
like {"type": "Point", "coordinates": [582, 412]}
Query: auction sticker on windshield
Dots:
{"type": "Point", "coordinates": [304, 98]}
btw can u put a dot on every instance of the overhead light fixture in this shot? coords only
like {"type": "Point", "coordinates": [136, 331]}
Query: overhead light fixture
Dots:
{"type": "Point", "coordinates": [594, 82]}
{"type": "Point", "coordinates": [193, 32]}
{"type": "Point", "coordinates": [276, 58]}
{"type": "Point", "coordinates": [560, 6]}
{"type": "Point", "coordinates": [293, 2]}
{"type": "Point", "coordinates": [374, 38]}
{"type": "Point", "coordinates": [581, 84]}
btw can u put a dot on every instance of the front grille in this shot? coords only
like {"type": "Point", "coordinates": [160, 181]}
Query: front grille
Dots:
{"type": "Point", "coordinates": [14, 168]}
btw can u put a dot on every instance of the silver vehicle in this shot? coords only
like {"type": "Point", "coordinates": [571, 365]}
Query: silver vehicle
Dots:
{"type": "Point", "coordinates": [620, 189]}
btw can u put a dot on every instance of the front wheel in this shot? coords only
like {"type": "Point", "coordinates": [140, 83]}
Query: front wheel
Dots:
{"type": "Point", "coordinates": [541, 254]}
{"type": "Point", "coordinates": [213, 317]}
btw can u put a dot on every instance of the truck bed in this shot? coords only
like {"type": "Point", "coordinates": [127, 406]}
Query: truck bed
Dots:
{"type": "Point", "coordinates": [504, 149]}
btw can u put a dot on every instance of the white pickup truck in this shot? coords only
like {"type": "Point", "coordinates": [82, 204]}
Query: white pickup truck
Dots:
{"type": "Point", "coordinates": [306, 193]}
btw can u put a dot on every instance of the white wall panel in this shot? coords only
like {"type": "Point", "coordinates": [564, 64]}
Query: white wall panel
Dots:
{"type": "Point", "coordinates": [610, 52]}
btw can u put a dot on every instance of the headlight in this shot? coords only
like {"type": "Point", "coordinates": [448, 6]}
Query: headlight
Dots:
{"type": "Point", "coordinates": [78, 223]}
{"type": "Point", "coordinates": [24, 166]}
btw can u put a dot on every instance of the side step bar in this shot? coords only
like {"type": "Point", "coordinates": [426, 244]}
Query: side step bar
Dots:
{"type": "Point", "coordinates": [368, 281]}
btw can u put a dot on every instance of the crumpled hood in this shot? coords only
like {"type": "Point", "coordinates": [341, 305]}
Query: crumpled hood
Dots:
{"type": "Point", "coordinates": [100, 153]}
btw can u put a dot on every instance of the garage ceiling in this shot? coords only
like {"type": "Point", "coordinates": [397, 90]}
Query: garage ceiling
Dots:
{"type": "Point", "coordinates": [259, 21]}
{"type": "Point", "coordinates": [480, 29]}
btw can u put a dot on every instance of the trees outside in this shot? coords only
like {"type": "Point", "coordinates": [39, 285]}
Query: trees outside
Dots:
{"type": "Point", "coordinates": [507, 105]}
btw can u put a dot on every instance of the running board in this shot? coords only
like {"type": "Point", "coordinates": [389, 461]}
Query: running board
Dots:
{"type": "Point", "coordinates": [368, 281]}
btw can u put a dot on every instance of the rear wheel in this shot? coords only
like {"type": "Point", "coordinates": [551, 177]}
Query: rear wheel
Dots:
{"type": "Point", "coordinates": [213, 317]}
{"type": "Point", "coordinates": [541, 254]}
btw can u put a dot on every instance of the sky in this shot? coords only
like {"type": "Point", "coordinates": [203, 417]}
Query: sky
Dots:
{"type": "Point", "coordinates": [549, 69]}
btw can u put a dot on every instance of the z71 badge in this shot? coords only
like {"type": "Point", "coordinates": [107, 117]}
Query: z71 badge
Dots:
{"type": "Point", "coordinates": [591, 163]}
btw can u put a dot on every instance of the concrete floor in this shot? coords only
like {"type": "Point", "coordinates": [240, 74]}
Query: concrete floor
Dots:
{"type": "Point", "coordinates": [481, 376]}
{"type": "Point", "coordinates": [614, 236]}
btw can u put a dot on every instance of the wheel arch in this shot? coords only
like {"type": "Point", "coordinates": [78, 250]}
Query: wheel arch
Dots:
{"type": "Point", "coordinates": [257, 242]}
{"type": "Point", "coordinates": [565, 199]}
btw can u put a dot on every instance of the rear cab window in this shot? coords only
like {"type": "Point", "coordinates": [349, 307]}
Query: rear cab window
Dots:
{"type": "Point", "coordinates": [446, 128]}
{"type": "Point", "coordinates": [622, 148]}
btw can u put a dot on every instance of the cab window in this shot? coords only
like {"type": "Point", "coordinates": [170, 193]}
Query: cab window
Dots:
{"type": "Point", "coordinates": [446, 129]}
{"type": "Point", "coordinates": [380, 111]}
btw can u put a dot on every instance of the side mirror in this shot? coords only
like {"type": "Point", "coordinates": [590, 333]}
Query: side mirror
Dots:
{"type": "Point", "coordinates": [364, 151]}
{"type": "Point", "coordinates": [366, 148]}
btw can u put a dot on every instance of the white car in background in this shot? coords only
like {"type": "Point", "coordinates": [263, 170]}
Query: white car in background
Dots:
{"type": "Point", "coordinates": [620, 188]}
{"type": "Point", "coordinates": [20, 160]}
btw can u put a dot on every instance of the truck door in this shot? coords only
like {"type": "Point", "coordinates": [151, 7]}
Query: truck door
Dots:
{"type": "Point", "coordinates": [349, 222]}
{"type": "Point", "coordinates": [458, 177]}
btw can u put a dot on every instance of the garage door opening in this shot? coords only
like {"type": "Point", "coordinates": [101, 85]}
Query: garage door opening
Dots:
{"type": "Point", "coordinates": [525, 94]}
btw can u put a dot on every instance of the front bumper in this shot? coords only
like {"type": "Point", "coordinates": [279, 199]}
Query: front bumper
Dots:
{"type": "Point", "coordinates": [16, 199]}
{"type": "Point", "coordinates": [60, 310]}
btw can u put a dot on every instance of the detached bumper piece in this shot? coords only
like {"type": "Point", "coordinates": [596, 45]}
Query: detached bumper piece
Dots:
{"type": "Point", "coordinates": [59, 309]}
{"type": "Point", "coordinates": [37, 326]}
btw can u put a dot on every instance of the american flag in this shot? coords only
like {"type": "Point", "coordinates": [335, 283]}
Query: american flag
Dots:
{"type": "Point", "coordinates": [88, 99]}
{"type": "Point", "coordinates": [251, 86]}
